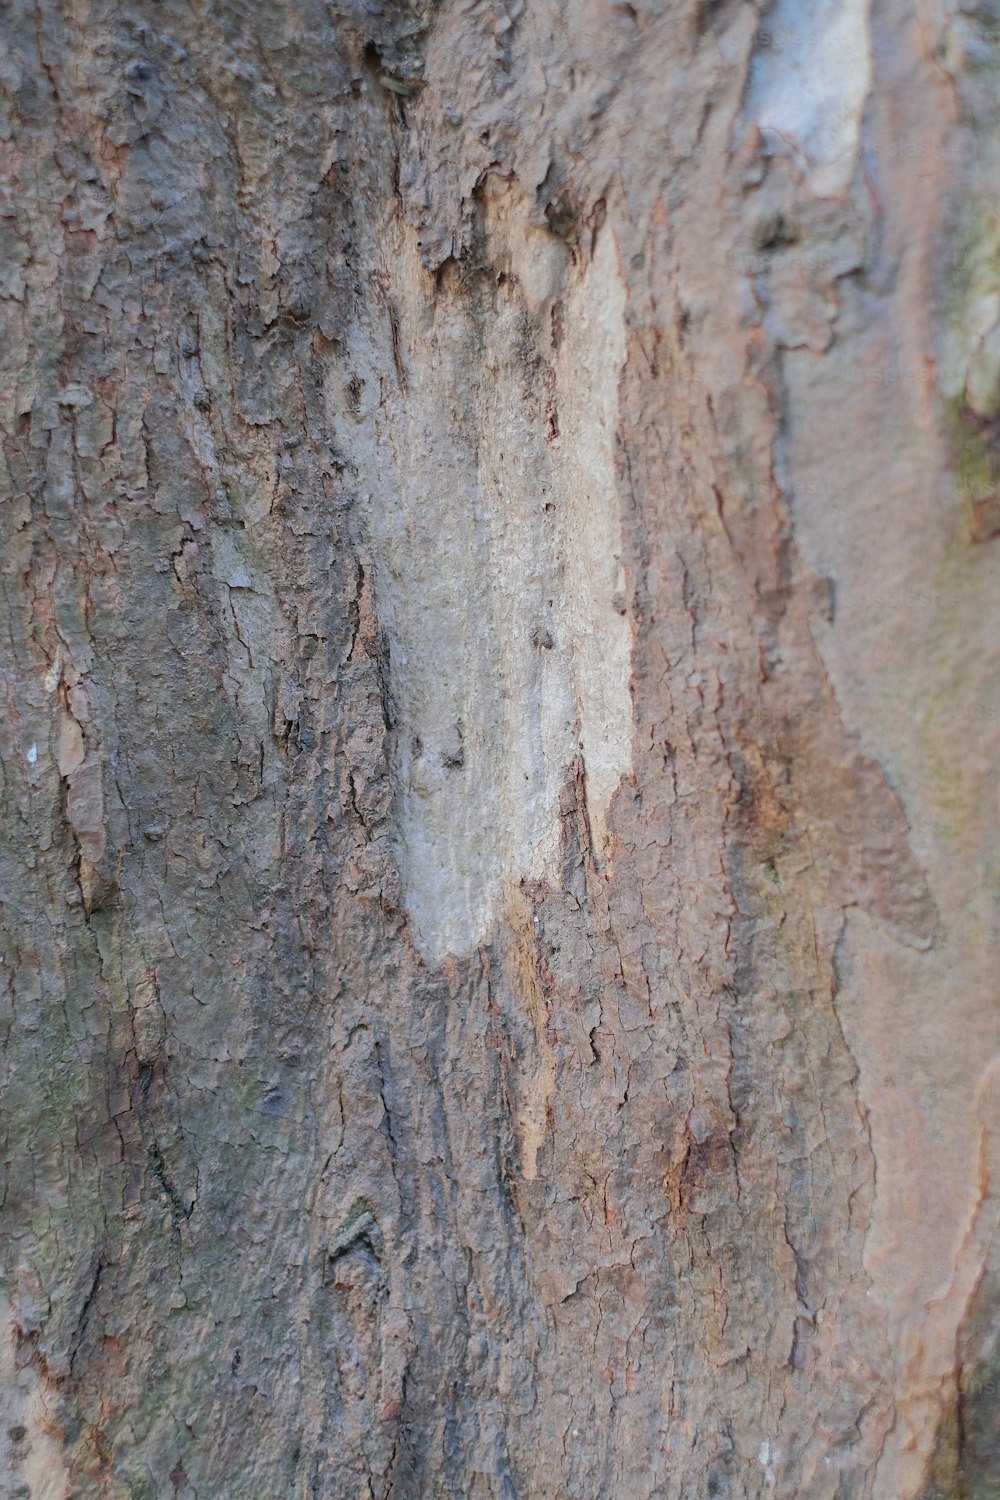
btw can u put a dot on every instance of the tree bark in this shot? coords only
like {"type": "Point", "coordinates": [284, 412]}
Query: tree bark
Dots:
{"type": "Point", "coordinates": [500, 845]}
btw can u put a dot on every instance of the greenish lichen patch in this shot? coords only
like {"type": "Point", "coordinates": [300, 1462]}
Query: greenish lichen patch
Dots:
{"type": "Point", "coordinates": [975, 447]}
{"type": "Point", "coordinates": [966, 1461]}
{"type": "Point", "coordinates": [970, 368]}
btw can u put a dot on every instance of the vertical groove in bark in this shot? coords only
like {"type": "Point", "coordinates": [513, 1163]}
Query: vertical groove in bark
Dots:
{"type": "Point", "coordinates": [496, 548]}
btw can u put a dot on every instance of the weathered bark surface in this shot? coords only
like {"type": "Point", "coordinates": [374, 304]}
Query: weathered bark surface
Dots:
{"type": "Point", "coordinates": [500, 837]}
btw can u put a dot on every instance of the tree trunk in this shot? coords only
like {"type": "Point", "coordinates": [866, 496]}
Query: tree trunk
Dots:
{"type": "Point", "coordinates": [500, 848]}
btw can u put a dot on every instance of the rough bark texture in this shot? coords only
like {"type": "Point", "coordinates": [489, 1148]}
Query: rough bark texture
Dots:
{"type": "Point", "coordinates": [500, 842]}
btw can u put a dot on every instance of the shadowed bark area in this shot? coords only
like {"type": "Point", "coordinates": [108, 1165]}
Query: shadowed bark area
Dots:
{"type": "Point", "coordinates": [499, 850]}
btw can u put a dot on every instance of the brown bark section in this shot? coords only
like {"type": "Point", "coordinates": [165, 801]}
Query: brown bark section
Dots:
{"type": "Point", "coordinates": [668, 1173]}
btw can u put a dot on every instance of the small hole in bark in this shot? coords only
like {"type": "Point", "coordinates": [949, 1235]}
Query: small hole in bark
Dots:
{"type": "Point", "coordinates": [708, 14]}
{"type": "Point", "coordinates": [775, 233]}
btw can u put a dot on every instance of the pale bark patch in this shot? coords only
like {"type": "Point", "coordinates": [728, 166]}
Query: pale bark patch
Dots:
{"type": "Point", "coordinates": [31, 1461]}
{"type": "Point", "coordinates": [811, 76]}
{"type": "Point", "coordinates": [594, 593]}
{"type": "Point", "coordinates": [495, 536]}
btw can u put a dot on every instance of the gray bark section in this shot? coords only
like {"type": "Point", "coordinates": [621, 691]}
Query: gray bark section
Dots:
{"type": "Point", "coordinates": [417, 1081]}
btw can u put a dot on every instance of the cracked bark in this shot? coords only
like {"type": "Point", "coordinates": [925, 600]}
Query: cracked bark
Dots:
{"type": "Point", "coordinates": [499, 851]}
